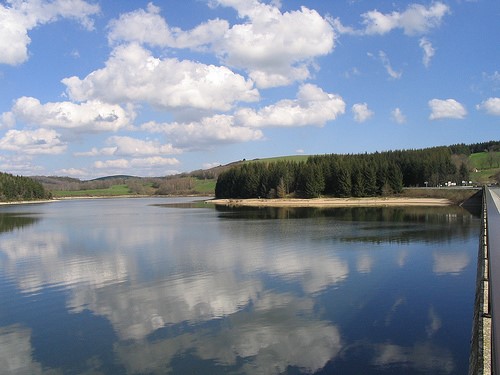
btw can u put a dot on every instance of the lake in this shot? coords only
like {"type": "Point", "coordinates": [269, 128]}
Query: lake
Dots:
{"type": "Point", "coordinates": [157, 285]}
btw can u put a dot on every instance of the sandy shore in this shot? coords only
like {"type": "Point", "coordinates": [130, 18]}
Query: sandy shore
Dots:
{"type": "Point", "coordinates": [332, 202]}
{"type": "Point", "coordinates": [27, 202]}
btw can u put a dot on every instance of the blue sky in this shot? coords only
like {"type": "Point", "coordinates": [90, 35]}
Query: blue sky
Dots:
{"type": "Point", "coordinates": [95, 88]}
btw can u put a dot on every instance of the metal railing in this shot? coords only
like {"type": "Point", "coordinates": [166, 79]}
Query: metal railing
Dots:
{"type": "Point", "coordinates": [492, 203]}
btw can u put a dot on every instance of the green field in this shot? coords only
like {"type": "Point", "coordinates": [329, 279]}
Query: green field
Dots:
{"type": "Point", "coordinates": [295, 158]}
{"type": "Point", "coordinates": [202, 187]}
{"type": "Point", "coordinates": [205, 186]}
{"type": "Point", "coordinates": [115, 190]}
{"type": "Point", "coordinates": [486, 165]}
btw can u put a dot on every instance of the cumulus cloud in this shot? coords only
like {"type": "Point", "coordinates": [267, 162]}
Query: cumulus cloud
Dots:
{"type": "Point", "coordinates": [361, 112]}
{"type": "Point", "coordinates": [398, 116]}
{"type": "Point", "coordinates": [313, 106]}
{"type": "Point", "coordinates": [219, 129]}
{"type": "Point", "coordinates": [7, 120]}
{"type": "Point", "coordinates": [428, 49]}
{"type": "Point", "coordinates": [128, 146]}
{"type": "Point", "coordinates": [153, 161]}
{"type": "Point", "coordinates": [132, 74]}
{"type": "Point", "coordinates": [92, 116]}
{"type": "Point", "coordinates": [71, 172]}
{"type": "Point", "coordinates": [17, 18]}
{"type": "Point", "coordinates": [415, 20]}
{"type": "Point", "coordinates": [136, 147]}
{"type": "Point", "coordinates": [143, 26]}
{"type": "Point", "coordinates": [491, 106]}
{"type": "Point", "coordinates": [275, 48]}
{"type": "Point", "coordinates": [149, 27]}
{"type": "Point", "coordinates": [33, 142]}
{"type": "Point", "coordinates": [19, 163]}
{"type": "Point", "coordinates": [448, 108]}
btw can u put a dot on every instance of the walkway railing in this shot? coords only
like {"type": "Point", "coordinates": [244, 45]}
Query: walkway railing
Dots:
{"type": "Point", "coordinates": [493, 232]}
{"type": "Point", "coordinates": [485, 345]}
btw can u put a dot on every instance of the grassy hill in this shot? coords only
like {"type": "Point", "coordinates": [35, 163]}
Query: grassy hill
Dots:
{"type": "Point", "coordinates": [484, 167]}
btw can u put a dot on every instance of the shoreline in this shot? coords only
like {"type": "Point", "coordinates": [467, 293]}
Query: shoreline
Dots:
{"type": "Point", "coordinates": [12, 203]}
{"type": "Point", "coordinates": [285, 202]}
{"type": "Point", "coordinates": [83, 197]}
{"type": "Point", "coordinates": [332, 202]}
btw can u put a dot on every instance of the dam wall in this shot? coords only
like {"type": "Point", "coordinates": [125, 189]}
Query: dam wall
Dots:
{"type": "Point", "coordinates": [480, 360]}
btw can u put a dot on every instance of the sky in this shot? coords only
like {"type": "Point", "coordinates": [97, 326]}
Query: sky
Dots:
{"type": "Point", "coordinates": [97, 88]}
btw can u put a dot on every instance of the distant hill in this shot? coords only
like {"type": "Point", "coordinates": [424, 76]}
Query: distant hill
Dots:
{"type": "Point", "coordinates": [362, 175]}
{"type": "Point", "coordinates": [115, 177]}
{"type": "Point", "coordinates": [481, 159]}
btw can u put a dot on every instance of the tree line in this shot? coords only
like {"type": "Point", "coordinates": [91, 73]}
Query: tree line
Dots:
{"type": "Point", "coordinates": [19, 188]}
{"type": "Point", "coordinates": [352, 175]}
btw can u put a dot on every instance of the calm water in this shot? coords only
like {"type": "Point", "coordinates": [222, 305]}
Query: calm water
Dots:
{"type": "Point", "coordinates": [125, 286]}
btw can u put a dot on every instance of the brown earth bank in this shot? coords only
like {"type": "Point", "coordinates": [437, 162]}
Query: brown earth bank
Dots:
{"type": "Point", "coordinates": [409, 197]}
{"type": "Point", "coordinates": [333, 202]}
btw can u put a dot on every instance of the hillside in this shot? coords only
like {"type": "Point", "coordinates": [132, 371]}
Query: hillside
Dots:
{"type": "Point", "coordinates": [362, 175]}
{"type": "Point", "coordinates": [485, 167]}
{"type": "Point", "coordinates": [481, 161]}
{"type": "Point", "coordinates": [18, 188]}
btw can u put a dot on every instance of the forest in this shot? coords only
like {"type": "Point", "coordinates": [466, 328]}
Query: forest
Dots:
{"type": "Point", "coordinates": [351, 175]}
{"type": "Point", "coordinates": [18, 188]}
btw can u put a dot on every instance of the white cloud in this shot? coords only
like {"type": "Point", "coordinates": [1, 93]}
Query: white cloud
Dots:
{"type": "Point", "coordinates": [143, 26]}
{"type": "Point", "coordinates": [398, 116]}
{"type": "Point", "coordinates": [313, 106]}
{"type": "Point", "coordinates": [493, 78]}
{"type": "Point", "coordinates": [202, 36]}
{"type": "Point", "coordinates": [388, 67]}
{"type": "Point", "coordinates": [71, 172]}
{"type": "Point", "coordinates": [149, 27]}
{"type": "Point", "coordinates": [211, 165]}
{"type": "Point", "coordinates": [491, 106]}
{"type": "Point", "coordinates": [429, 51]}
{"type": "Point", "coordinates": [153, 162]}
{"type": "Point", "coordinates": [361, 112]}
{"type": "Point", "coordinates": [33, 142]}
{"type": "Point", "coordinates": [415, 20]}
{"type": "Point", "coordinates": [149, 162]}
{"type": "Point", "coordinates": [207, 132]}
{"type": "Point", "coordinates": [275, 48]}
{"type": "Point", "coordinates": [378, 23]}
{"type": "Point", "coordinates": [114, 164]}
{"type": "Point", "coordinates": [448, 108]}
{"type": "Point", "coordinates": [20, 164]}
{"type": "Point", "coordinates": [90, 116]}
{"type": "Point", "coordinates": [7, 120]}
{"type": "Point", "coordinates": [132, 74]}
{"type": "Point", "coordinates": [136, 147]}
{"type": "Point", "coordinates": [128, 146]}
{"type": "Point", "coordinates": [19, 17]}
